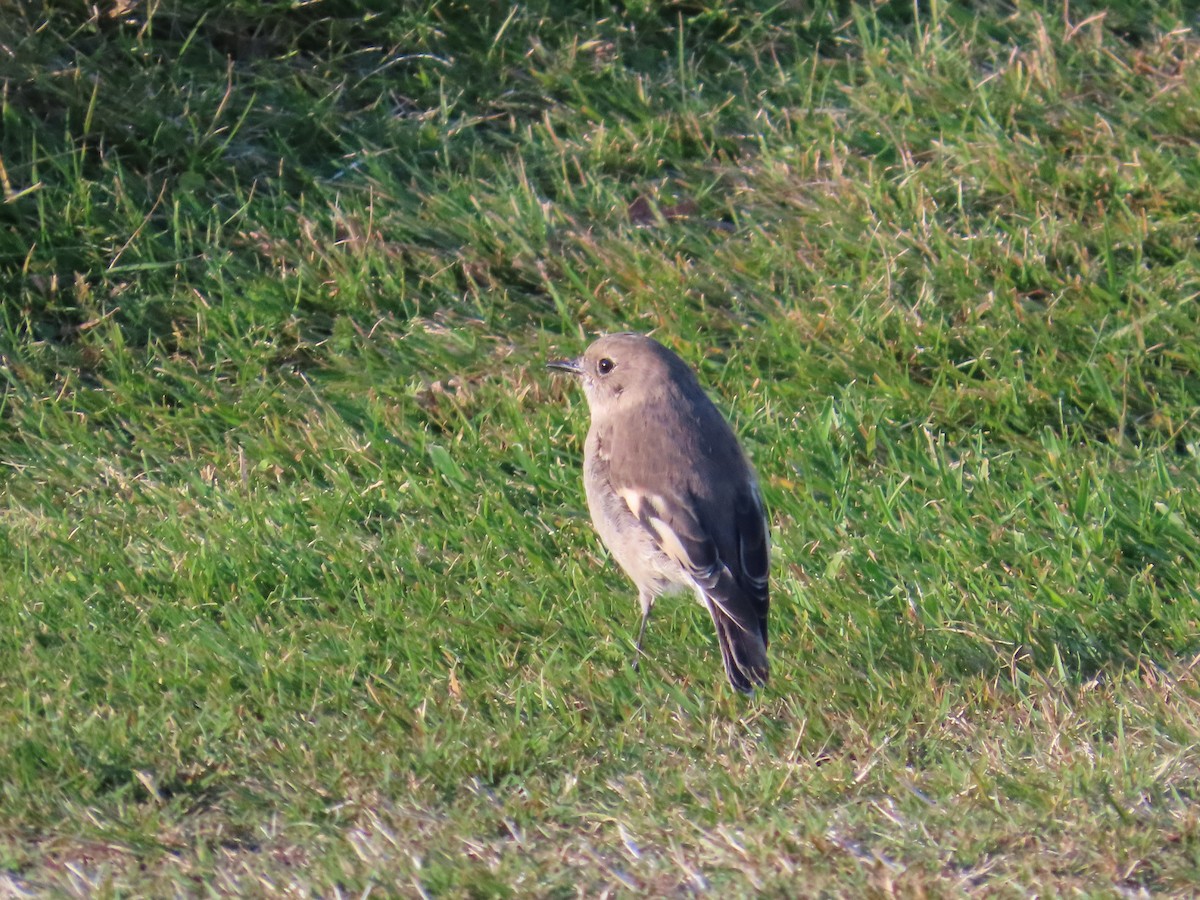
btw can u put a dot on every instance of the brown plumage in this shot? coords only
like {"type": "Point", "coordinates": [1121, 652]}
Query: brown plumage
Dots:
{"type": "Point", "coordinates": [673, 496]}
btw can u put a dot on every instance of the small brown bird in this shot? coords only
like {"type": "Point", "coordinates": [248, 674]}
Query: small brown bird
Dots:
{"type": "Point", "coordinates": [672, 494]}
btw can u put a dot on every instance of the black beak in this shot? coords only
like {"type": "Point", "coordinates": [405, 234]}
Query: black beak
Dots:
{"type": "Point", "coordinates": [571, 366]}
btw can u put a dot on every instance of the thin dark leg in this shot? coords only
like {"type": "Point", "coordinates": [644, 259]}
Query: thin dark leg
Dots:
{"type": "Point", "coordinates": [647, 602]}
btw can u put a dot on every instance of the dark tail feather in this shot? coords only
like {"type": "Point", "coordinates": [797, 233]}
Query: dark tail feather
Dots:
{"type": "Point", "coordinates": [743, 651]}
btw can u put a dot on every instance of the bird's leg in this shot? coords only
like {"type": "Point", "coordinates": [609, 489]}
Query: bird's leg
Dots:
{"type": "Point", "coordinates": [647, 601]}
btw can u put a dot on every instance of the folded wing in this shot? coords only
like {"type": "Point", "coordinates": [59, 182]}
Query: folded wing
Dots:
{"type": "Point", "coordinates": [726, 561]}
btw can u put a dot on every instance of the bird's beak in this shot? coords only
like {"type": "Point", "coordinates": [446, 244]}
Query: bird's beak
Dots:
{"type": "Point", "coordinates": [570, 366]}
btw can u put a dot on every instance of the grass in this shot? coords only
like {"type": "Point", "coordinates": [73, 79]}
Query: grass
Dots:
{"type": "Point", "coordinates": [300, 593]}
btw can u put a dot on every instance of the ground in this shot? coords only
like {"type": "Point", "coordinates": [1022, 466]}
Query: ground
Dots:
{"type": "Point", "coordinates": [300, 592]}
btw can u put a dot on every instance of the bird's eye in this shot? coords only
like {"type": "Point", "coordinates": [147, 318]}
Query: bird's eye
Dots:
{"type": "Point", "coordinates": [605, 366]}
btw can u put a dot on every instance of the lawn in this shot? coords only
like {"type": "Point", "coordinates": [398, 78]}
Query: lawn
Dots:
{"type": "Point", "coordinates": [299, 591]}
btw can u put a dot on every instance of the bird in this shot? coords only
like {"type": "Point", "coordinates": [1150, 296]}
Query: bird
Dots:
{"type": "Point", "coordinates": [673, 496]}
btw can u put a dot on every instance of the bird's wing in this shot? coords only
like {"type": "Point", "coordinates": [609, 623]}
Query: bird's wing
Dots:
{"type": "Point", "coordinates": [676, 530]}
{"type": "Point", "coordinates": [753, 549]}
{"type": "Point", "coordinates": [738, 584]}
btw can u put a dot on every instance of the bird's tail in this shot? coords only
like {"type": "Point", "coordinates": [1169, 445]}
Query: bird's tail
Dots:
{"type": "Point", "coordinates": [743, 650]}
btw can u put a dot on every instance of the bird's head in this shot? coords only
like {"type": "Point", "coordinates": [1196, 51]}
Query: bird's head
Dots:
{"type": "Point", "coordinates": [622, 369]}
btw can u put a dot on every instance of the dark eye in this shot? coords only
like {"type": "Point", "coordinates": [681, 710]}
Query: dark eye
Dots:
{"type": "Point", "coordinates": [605, 366]}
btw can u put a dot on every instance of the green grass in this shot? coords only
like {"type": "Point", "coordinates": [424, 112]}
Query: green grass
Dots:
{"type": "Point", "coordinates": [299, 590]}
